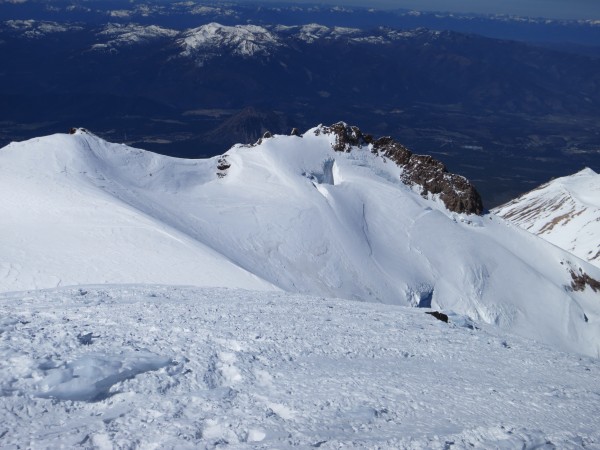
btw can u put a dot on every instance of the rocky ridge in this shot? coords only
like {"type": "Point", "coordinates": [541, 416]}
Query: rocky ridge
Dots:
{"type": "Point", "coordinates": [430, 175]}
{"type": "Point", "coordinates": [564, 211]}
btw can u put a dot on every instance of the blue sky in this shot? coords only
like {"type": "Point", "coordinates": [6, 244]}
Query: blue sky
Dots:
{"type": "Point", "coordinates": [572, 9]}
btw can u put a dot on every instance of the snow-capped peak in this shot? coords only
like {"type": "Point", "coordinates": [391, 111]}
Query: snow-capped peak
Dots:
{"type": "Point", "coordinates": [565, 212]}
{"type": "Point", "coordinates": [213, 39]}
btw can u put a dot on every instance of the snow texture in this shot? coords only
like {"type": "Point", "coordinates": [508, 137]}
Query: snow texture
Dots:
{"type": "Point", "coordinates": [169, 367]}
{"type": "Point", "coordinates": [565, 212]}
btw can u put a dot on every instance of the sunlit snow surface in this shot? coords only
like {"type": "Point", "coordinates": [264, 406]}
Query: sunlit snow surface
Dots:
{"type": "Point", "coordinates": [167, 367]}
{"type": "Point", "coordinates": [565, 211]}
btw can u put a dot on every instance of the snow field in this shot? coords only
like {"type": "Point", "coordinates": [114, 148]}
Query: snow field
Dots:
{"type": "Point", "coordinates": [168, 367]}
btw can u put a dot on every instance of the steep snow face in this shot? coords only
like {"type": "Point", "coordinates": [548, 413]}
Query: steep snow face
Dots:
{"type": "Point", "coordinates": [94, 366]}
{"type": "Point", "coordinates": [120, 35]}
{"type": "Point", "coordinates": [213, 39]}
{"type": "Point", "coordinates": [63, 221]}
{"type": "Point", "coordinates": [565, 212]}
{"type": "Point", "coordinates": [290, 211]}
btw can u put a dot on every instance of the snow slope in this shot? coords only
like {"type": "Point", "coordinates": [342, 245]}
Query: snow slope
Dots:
{"type": "Point", "coordinates": [167, 367]}
{"type": "Point", "coordinates": [290, 213]}
{"type": "Point", "coordinates": [565, 212]}
{"type": "Point", "coordinates": [63, 222]}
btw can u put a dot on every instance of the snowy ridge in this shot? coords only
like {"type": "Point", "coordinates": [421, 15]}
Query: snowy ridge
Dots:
{"type": "Point", "coordinates": [35, 29]}
{"type": "Point", "coordinates": [168, 367]}
{"type": "Point", "coordinates": [66, 222]}
{"type": "Point", "coordinates": [289, 213]}
{"type": "Point", "coordinates": [121, 35]}
{"type": "Point", "coordinates": [565, 212]}
{"type": "Point", "coordinates": [313, 32]}
{"type": "Point", "coordinates": [213, 39]}
{"type": "Point", "coordinates": [211, 10]}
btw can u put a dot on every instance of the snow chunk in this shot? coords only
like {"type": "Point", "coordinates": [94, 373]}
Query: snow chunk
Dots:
{"type": "Point", "coordinates": [92, 376]}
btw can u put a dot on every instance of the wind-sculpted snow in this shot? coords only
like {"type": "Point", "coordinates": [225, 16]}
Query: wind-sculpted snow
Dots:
{"type": "Point", "coordinates": [565, 212]}
{"type": "Point", "coordinates": [290, 213]}
{"type": "Point", "coordinates": [170, 367]}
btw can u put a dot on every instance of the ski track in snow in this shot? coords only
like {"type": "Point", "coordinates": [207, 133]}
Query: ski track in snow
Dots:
{"type": "Point", "coordinates": [168, 367]}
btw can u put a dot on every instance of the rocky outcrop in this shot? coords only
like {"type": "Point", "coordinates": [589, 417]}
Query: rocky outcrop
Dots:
{"type": "Point", "coordinates": [432, 176]}
{"type": "Point", "coordinates": [438, 315]}
{"type": "Point", "coordinates": [582, 280]}
{"type": "Point", "coordinates": [346, 136]}
{"type": "Point", "coordinates": [222, 166]}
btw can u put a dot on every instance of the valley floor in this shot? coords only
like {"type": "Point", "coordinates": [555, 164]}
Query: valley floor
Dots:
{"type": "Point", "coordinates": [167, 367]}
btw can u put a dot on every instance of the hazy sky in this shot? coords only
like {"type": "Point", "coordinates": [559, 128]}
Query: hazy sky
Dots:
{"type": "Point", "coordinates": [572, 9]}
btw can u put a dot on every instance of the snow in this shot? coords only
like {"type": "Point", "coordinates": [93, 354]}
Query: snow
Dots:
{"type": "Point", "coordinates": [209, 40]}
{"type": "Point", "coordinates": [565, 212]}
{"type": "Point", "coordinates": [312, 33]}
{"type": "Point", "coordinates": [64, 221]}
{"type": "Point", "coordinates": [175, 367]}
{"type": "Point", "coordinates": [121, 35]}
{"type": "Point", "coordinates": [289, 214]}
{"type": "Point", "coordinates": [34, 29]}
{"type": "Point", "coordinates": [211, 10]}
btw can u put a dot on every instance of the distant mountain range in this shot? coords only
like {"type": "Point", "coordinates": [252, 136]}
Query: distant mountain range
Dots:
{"type": "Point", "coordinates": [508, 115]}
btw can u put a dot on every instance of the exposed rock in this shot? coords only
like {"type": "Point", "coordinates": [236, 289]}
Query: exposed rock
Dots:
{"type": "Point", "coordinates": [346, 136]}
{"type": "Point", "coordinates": [438, 315]}
{"type": "Point", "coordinates": [581, 280]}
{"type": "Point", "coordinates": [391, 149]}
{"type": "Point", "coordinates": [295, 132]}
{"type": "Point", "coordinates": [266, 135]}
{"type": "Point", "coordinates": [457, 193]}
{"type": "Point", "coordinates": [222, 166]}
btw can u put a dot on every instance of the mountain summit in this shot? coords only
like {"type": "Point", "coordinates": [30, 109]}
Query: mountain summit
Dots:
{"type": "Point", "coordinates": [565, 212]}
{"type": "Point", "coordinates": [333, 212]}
